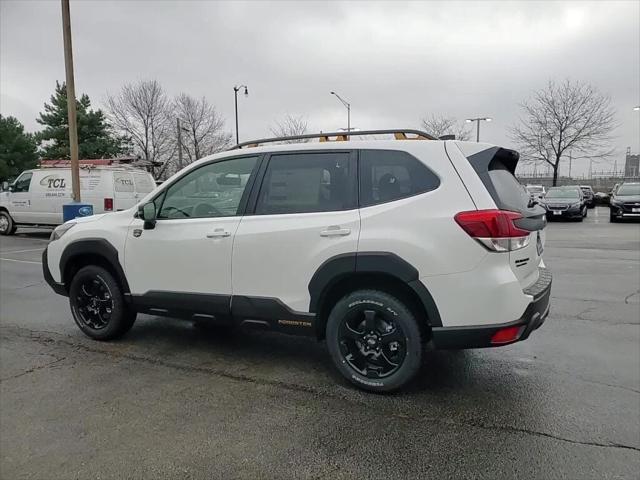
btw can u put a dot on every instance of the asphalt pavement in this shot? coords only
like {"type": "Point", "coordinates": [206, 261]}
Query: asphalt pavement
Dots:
{"type": "Point", "coordinates": [177, 400]}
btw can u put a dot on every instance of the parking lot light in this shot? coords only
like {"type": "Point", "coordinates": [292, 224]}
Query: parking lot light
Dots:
{"type": "Point", "coordinates": [478, 120]}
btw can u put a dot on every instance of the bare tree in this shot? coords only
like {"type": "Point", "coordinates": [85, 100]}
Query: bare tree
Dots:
{"type": "Point", "coordinates": [568, 117]}
{"type": "Point", "coordinates": [142, 112]}
{"type": "Point", "coordinates": [202, 127]}
{"type": "Point", "coordinates": [290, 126]}
{"type": "Point", "coordinates": [439, 126]}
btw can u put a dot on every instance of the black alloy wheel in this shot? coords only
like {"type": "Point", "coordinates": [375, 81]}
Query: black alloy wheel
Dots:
{"type": "Point", "coordinates": [94, 303]}
{"type": "Point", "coordinates": [372, 343]}
{"type": "Point", "coordinates": [374, 340]}
{"type": "Point", "coordinates": [98, 305]}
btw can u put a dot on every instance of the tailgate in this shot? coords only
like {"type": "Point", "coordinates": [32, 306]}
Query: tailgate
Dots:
{"type": "Point", "coordinates": [496, 168]}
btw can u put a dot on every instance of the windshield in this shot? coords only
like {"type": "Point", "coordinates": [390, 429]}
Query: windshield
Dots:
{"type": "Point", "coordinates": [629, 189]}
{"type": "Point", "coordinates": [562, 193]}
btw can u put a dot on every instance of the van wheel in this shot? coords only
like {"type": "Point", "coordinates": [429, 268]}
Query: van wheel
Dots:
{"type": "Point", "coordinates": [97, 304]}
{"type": "Point", "coordinates": [7, 225]}
{"type": "Point", "coordinates": [374, 340]}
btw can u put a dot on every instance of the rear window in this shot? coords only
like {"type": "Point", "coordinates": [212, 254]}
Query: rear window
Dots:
{"type": "Point", "coordinates": [496, 166]}
{"type": "Point", "coordinates": [511, 195]}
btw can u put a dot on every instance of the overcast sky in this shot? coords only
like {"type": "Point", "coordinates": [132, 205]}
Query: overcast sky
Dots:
{"type": "Point", "coordinates": [395, 62]}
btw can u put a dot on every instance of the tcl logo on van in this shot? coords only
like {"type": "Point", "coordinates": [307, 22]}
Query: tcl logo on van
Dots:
{"type": "Point", "coordinates": [52, 181]}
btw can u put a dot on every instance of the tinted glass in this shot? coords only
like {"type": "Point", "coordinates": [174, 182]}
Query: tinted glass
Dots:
{"type": "Point", "coordinates": [388, 175]}
{"type": "Point", "coordinates": [307, 182]}
{"type": "Point", "coordinates": [511, 194]}
{"type": "Point", "coordinates": [629, 189]}
{"type": "Point", "coordinates": [214, 190]}
{"type": "Point", "coordinates": [22, 183]}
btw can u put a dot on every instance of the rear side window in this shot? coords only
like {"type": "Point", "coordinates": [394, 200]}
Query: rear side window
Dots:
{"type": "Point", "coordinates": [388, 175]}
{"type": "Point", "coordinates": [307, 182]}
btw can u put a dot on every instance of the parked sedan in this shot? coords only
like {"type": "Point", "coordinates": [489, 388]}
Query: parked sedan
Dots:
{"type": "Point", "coordinates": [565, 203]}
{"type": "Point", "coordinates": [625, 202]}
{"type": "Point", "coordinates": [588, 195]}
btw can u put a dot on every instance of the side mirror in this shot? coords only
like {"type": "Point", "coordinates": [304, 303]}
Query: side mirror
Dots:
{"type": "Point", "coordinates": [5, 186]}
{"type": "Point", "coordinates": [11, 188]}
{"type": "Point", "coordinates": [147, 212]}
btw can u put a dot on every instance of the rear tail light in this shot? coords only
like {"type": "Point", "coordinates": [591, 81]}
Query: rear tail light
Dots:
{"type": "Point", "coordinates": [494, 229]}
{"type": "Point", "coordinates": [108, 204]}
{"type": "Point", "coordinates": [506, 335]}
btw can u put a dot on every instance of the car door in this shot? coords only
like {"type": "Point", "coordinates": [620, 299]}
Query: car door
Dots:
{"type": "Point", "coordinates": [185, 261]}
{"type": "Point", "coordinates": [20, 199]}
{"type": "Point", "coordinates": [305, 213]}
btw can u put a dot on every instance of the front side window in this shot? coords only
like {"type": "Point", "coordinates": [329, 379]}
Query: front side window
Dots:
{"type": "Point", "coordinates": [213, 190]}
{"type": "Point", "coordinates": [307, 182]}
{"type": "Point", "coordinates": [23, 182]}
{"type": "Point", "coordinates": [388, 175]}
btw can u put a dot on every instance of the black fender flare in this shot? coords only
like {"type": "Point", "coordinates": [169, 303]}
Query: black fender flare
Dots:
{"type": "Point", "coordinates": [336, 268]}
{"type": "Point", "coordinates": [98, 247]}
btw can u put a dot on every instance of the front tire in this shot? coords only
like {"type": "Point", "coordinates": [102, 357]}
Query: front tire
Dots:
{"type": "Point", "coordinates": [98, 305]}
{"type": "Point", "coordinates": [7, 225]}
{"type": "Point", "coordinates": [374, 340]}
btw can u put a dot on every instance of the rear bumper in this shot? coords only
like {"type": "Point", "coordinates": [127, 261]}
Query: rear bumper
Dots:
{"type": "Point", "coordinates": [480, 336]}
{"type": "Point", "coordinates": [59, 288]}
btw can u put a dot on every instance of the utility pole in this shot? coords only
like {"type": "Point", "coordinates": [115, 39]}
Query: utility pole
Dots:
{"type": "Point", "coordinates": [570, 164]}
{"type": "Point", "coordinates": [71, 100]}
{"type": "Point", "coordinates": [179, 143]}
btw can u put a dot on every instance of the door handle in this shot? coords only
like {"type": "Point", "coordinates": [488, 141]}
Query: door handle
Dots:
{"type": "Point", "coordinates": [335, 231]}
{"type": "Point", "coordinates": [219, 233]}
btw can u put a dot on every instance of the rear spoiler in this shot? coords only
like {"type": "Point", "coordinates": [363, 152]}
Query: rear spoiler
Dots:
{"type": "Point", "coordinates": [484, 160]}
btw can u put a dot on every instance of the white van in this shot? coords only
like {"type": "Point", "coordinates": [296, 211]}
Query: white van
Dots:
{"type": "Point", "coordinates": [36, 197]}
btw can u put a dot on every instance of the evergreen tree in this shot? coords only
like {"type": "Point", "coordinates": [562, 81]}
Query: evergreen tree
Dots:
{"type": "Point", "coordinates": [18, 149]}
{"type": "Point", "coordinates": [95, 138]}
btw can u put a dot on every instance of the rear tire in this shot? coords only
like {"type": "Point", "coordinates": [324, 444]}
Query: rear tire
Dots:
{"type": "Point", "coordinates": [98, 305]}
{"type": "Point", "coordinates": [374, 340]}
{"type": "Point", "coordinates": [7, 225]}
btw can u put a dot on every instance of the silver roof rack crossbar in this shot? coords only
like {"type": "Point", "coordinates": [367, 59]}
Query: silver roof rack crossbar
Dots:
{"type": "Point", "coordinates": [399, 134]}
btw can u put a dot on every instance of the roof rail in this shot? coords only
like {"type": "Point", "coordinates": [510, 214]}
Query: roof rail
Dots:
{"type": "Point", "coordinates": [399, 134]}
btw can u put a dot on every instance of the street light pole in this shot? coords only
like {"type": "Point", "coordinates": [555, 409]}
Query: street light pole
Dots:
{"type": "Point", "coordinates": [235, 92]}
{"type": "Point", "coordinates": [348, 105]}
{"type": "Point", "coordinates": [71, 100]}
{"type": "Point", "coordinates": [478, 120]}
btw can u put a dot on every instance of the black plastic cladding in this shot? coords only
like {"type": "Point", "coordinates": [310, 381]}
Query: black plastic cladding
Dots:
{"type": "Point", "coordinates": [340, 266]}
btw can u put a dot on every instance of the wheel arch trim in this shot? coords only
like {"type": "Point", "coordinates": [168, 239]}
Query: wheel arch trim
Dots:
{"type": "Point", "coordinates": [340, 266]}
{"type": "Point", "coordinates": [96, 247]}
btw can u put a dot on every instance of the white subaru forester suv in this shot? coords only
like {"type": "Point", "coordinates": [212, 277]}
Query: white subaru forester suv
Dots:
{"type": "Point", "coordinates": [380, 247]}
